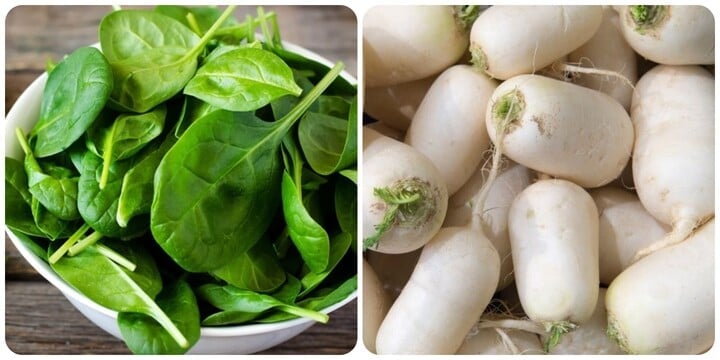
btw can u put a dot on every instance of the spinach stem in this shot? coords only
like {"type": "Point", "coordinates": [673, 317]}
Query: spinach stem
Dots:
{"type": "Point", "coordinates": [193, 24]}
{"type": "Point", "coordinates": [250, 28]}
{"type": "Point", "coordinates": [115, 257]}
{"type": "Point", "coordinates": [26, 149]}
{"type": "Point", "coordinates": [264, 26]}
{"type": "Point", "coordinates": [68, 243]}
{"type": "Point", "coordinates": [282, 243]}
{"type": "Point", "coordinates": [306, 313]}
{"type": "Point", "coordinates": [211, 32]}
{"type": "Point", "coordinates": [107, 159]}
{"type": "Point", "coordinates": [84, 243]}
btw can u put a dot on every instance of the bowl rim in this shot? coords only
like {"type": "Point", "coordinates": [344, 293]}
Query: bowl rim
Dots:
{"type": "Point", "coordinates": [33, 95]}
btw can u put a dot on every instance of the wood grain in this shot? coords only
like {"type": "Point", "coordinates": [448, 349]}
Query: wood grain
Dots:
{"type": "Point", "coordinates": [38, 318]}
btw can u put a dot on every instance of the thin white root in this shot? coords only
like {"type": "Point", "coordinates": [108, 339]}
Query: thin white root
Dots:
{"type": "Point", "coordinates": [507, 341]}
{"type": "Point", "coordinates": [681, 231]}
{"type": "Point", "coordinates": [593, 71]}
{"type": "Point", "coordinates": [524, 325]}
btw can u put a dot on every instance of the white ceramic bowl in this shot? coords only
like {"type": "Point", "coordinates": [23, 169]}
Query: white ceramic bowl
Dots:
{"type": "Point", "coordinates": [243, 339]}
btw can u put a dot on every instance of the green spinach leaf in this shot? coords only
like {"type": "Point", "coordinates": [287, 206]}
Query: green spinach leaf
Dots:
{"type": "Point", "coordinates": [346, 207]}
{"type": "Point", "coordinates": [338, 248]}
{"type": "Point", "coordinates": [243, 79]}
{"type": "Point", "coordinates": [228, 203]}
{"type": "Point", "coordinates": [257, 269]}
{"type": "Point", "coordinates": [144, 335]}
{"type": "Point", "coordinates": [18, 215]}
{"type": "Point", "coordinates": [98, 207]}
{"type": "Point", "coordinates": [112, 286]}
{"type": "Point", "coordinates": [204, 16]}
{"type": "Point", "coordinates": [329, 143]}
{"type": "Point", "coordinates": [74, 94]}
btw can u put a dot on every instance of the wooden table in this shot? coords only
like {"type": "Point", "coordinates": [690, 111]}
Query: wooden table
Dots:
{"type": "Point", "coordinates": [38, 319]}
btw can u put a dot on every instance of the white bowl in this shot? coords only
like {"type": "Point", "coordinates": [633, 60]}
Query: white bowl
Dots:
{"type": "Point", "coordinates": [241, 339]}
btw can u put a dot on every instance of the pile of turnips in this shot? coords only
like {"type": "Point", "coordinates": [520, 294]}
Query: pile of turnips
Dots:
{"type": "Point", "coordinates": [540, 179]}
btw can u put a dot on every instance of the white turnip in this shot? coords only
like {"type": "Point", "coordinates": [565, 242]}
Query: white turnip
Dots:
{"type": "Point", "coordinates": [665, 303]}
{"type": "Point", "coordinates": [449, 126]}
{"type": "Point", "coordinates": [376, 303]}
{"type": "Point", "coordinates": [395, 105]}
{"type": "Point", "coordinates": [673, 112]}
{"type": "Point", "coordinates": [511, 40]}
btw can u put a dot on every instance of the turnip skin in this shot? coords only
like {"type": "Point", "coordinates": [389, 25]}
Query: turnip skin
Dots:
{"type": "Point", "coordinates": [554, 230]}
{"type": "Point", "coordinates": [453, 281]}
{"type": "Point", "coordinates": [590, 338]}
{"type": "Point", "coordinates": [609, 51]}
{"type": "Point", "coordinates": [407, 43]}
{"type": "Point", "coordinates": [625, 228]}
{"type": "Point", "coordinates": [397, 168]}
{"type": "Point", "coordinates": [670, 35]}
{"type": "Point", "coordinates": [376, 303]}
{"type": "Point", "coordinates": [561, 129]}
{"type": "Point", "coordinates": [394, 270]}
{"type": "Point", "coordinates": [506, 41]}
{"type": "Point", "coordinates": [449, 125]}
{"type": "Point", "coordinates": [674, 153]}
{"type": "Point", "coordinates": [665, 303]}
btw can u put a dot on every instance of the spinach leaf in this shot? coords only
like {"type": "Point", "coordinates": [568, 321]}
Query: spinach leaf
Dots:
{"type": "Point", "coordinates": [346, 207]}
{"type": "Point", "coordinates": [193, 109]}
{"type": "Point", "coordinates": [332, 105]}
{"type": "Point", "coordinates": [18, 215]}
{"type": "Point", "coordinates": [309, 237]}
{"type": "Point", "coordinates": [325, 298]}
{"type": "Point", "coordinates": [203, 16]}
{"type": "Point", "coordinates": [136, 192]}
{"type": "Point", "coordinates": [329, 143]}
{"type": "Point", "coordinates": [112, 286]}
{"type": "Point", "coordinates": [124, 136]}
{"type": "Point", "coordinates": [257, 269]}
{"type": "Point", "coordinates": [74, 94]}
{"type": "Point", "coordinates": [35, 244]}
{"type": "Point", "coordinates": [230, 298]}
{"type": "Point", "coordinates": [98, 207]}
{"type": "Point", "coordinates": [228, 202]}
{"type": "Point", "coordinates": [243, 79]}
{"type": "Point", "coordinates": [289, 291]}
{"type": "Point", "coordinates": [144, 335]}
{"type": "Point", "coordinates": [152, 56]}
{"type": "Point", "coordinates": [338, 247]}
{"type": "Point", "coordinates": [350, 174]}
{"type": "Point", "coordinates": [52, 227]}
{"type": "Point", "coordinates": [299, 62]}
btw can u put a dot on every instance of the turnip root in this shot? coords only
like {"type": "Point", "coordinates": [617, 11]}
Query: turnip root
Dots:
{"type": "Point", "coordinates": [496, 341]}
{"type": "Point", "coordinates": [590, 338]}
{"type": "Point", "coordinates": [449, 126]}
{"type": "Point", "coordinates": [674, 154]}
{"type": "Point", "coordinates": [453, 281]}
{"type": "Point", "coordinates": [376, 303]}
{"type": "Point", "coordinates": [554, 237]}
{"type": "Point", "coordinates": [395, 105]}
{"type": "Point", "coordinates": [561, 129]}
{"type": "Point", "coordinates": [404, 196]}
{"type": "Point", "coordinates": [393, 270]}
{"type": "Point", "coordinates": [609, 51]}
{"type": "Point", "coordinates": [670, 35]}
{"type": "Point", "coordinates": [406, 43]}
{"type": "Point", "coordinates": [510, 40]}
{"type": "Point", "coordinates": [511, 180]}
{"type": "Point", "coordinates": [625, 228]}
{"type": "Point", "coordinates": [665, 303]}
{"type": "Point", "coordinates": [386, 130]}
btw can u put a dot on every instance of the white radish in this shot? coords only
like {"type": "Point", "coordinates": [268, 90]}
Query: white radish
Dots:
{"type": "Point", "coordinates": [673, 112]}
{"type": "Point", "coordinates": [607, 51]}
{"type": "Point", "coordinates": [554, 237]}
{"type": "Point", "coordinates": [590, 338]}
{"type": "Point", "coordinates": [449, 126]}
{"type": "Point", "coordinates": [670, 35]}
{"type": "Point", "coordinates": [511, 180]}
{"type": "Point", "coordinates": [395, 105]}
{"type": "Point", "coordinates": [404, 198]}
{"type": "Point", "coordinates": [561, 129]}
{"type": "Point", "coordinates": [452, 283]}
{"type": "Point", "coordinates": [406, 43]}
{"type": "Point", "coordinates": [386, 130]}
{"type": "Point", "coordinates": [497, 341]}
{"type": "Point", "coordinates": [625, 228]}
{"type": "Point", "coordinates": [376, 303]}
{"type": "Point", "coordinates": [510, 40]}
{"type": "Point", "coordinates": [394, 270]}
{"type": "Point", "coordinates": [665, 303]}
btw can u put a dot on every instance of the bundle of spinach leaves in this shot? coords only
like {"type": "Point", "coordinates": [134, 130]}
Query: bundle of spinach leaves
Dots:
{"type": "Point", "coordinates": [190, 174]}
